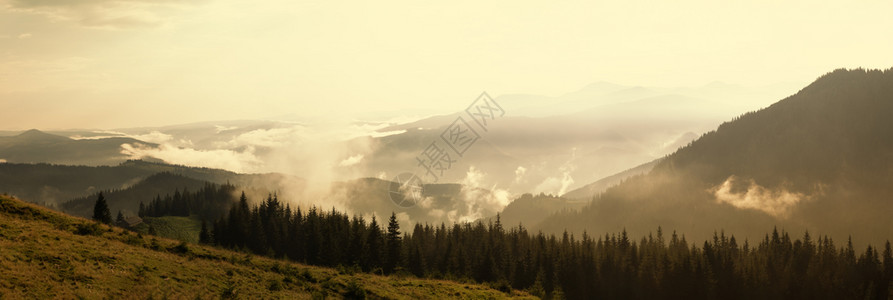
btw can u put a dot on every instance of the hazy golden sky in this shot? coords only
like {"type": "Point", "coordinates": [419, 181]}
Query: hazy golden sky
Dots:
{"type": "Point", "coordinates": [122, 63]}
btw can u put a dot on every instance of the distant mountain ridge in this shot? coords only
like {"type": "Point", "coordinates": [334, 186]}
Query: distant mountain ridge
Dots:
{"type": "Point", "coordinates": [54, 184]}
{"type": "Point", "coordinates": [588, 191]}
{"type": "Point", "coordinates": [35, 146]}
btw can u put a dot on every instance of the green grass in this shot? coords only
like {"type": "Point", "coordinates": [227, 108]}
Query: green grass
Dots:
{"type": "Point", "coordinates": [45, 254]}
{"type": "Point", "coordinates": [178, 228]}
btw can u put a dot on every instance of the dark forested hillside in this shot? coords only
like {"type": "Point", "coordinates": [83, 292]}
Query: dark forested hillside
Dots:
{"type": "Point", "coordinates": [197, 197]}
{"type": "Point", "coordinates": [529, 210]}
{"type": "Point", "coordinates": [613, 266]}
{"type": "Point", "coordinates": [820, 160]}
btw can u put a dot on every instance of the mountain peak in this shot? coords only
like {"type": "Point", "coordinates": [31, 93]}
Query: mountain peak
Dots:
{"type": "Point", "coordinates": [31, 132]}
{"type": "Point", "coordinates": [34, 134]}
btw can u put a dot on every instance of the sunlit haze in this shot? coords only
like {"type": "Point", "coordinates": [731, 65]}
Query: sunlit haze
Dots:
{"type": "Point", "coordinates": [130, 63]}
{"type": "Point", "coordinates": [273, 149]}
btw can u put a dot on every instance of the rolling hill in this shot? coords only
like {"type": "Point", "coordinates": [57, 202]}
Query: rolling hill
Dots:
{"type": "Point", "coordinates": [53, 185]}
{"type": "Point", "coordinates": [820, 160]}
{"type": "Point", "coordinates": [128, 200]}
{"type": "Point", "coordinates": [35, 146]}
{"type": "Point", "coordinates": [50, 255]}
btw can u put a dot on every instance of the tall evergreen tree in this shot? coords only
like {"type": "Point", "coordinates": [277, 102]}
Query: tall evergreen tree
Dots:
{"type": "Point", "coordinates": [101, 211]}
{"type": "Point", "coordinates": [119, 221]}
{"type": "Point", "coordinates": [393, 245]}
{"type": "Point", "coordinates": [204, 236]}
{"type": "Point", "coordinates": [372, 251]}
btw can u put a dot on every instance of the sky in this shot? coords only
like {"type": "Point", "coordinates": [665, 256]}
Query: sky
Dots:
{"type": "Point", "coordinates": [128, 63]}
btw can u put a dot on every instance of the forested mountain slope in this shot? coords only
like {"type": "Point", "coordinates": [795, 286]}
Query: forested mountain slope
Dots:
{"type": "Point", "coordinates": [820, 160]}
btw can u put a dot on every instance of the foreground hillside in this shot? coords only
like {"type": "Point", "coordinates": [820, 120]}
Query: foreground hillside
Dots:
{"type": "Point", "coordinates": [50, 255]}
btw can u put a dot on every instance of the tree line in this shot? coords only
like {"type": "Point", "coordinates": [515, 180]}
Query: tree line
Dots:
{"type": "Point", "coordinates": [208, 203]}
{"type": "Point", "coordinates": [609, 266]}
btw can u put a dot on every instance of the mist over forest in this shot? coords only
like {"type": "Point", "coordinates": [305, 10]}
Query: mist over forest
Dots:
{"type": "Point", "coordinates": [402, 150]}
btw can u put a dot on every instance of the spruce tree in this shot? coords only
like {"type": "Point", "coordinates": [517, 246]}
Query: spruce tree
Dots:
{"type": "Point", "coordinates": [204, 237]}
{"type": "Point", "coordinates": [101, 210]}
{"type": "Point", "coordinates": [372, 252]}
{"type": "Point", "coordinates": [119, 221]}
{"type": "Point", "coordinates": [393, 245]}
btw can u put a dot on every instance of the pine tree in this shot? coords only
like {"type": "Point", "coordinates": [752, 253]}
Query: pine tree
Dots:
{"type": "Point", "coordinates": [101, 210]}
{"type": "Point", "coordinates": [357, 241]}
{"type": "Point", "coordinates": [372, 251]}
{"type": "Point", "coordinates": [296, 237]}
{"type": "Point", "coordinates": [887, 270]}
{"type": "Point", "coordinates": [393, 245]}
{"type": "Point", "coordinates": [204, 236]}
{"type": "Point", "coordinates": [119, 221]}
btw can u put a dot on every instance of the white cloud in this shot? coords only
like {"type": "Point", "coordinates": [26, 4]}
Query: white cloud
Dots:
{"type": "Point", "coordinates": [403, 218]}
{"type": "Point", "coordinates": [275, 137]}
{"type": "Point", "coordinates": [386, 133]}
{"type": "Point", "coordinates": [243, 162]}
{"type": "Point", "coordinates": [478, 202]}
{"type": "Point", "coordinates": [221, 128]}
{"type": "Point", "coordinates": [318, 153]}
{"type": "Point", "coordinates": [350, 161]}
{"type": "Point", "coordinates": [25, 36]}
{"type": "Point", "coordinates": [155, 137]}
{"type": "Point", "coordinates": [558, 185]}
{"type": "Point", "coordinates": [519, 174]}
{"type": "Point", "coordinates": [436, 213]}
{"type": "Point", "coordinates": [777, 203]}
{"type": "Point", "coordinates": [426, 202]}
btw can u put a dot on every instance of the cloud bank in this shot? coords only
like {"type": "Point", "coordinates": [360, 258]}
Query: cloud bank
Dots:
{"type": "Point", "coordinates": [777, 203]}
{"type": "Point", "coordinates": [557, 185]}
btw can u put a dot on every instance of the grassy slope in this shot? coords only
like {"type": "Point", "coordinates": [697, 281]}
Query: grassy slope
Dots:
{"type": "Point", "coordinates": [178, 228]}
{"type": "Point", "coordinates": [45, 254]}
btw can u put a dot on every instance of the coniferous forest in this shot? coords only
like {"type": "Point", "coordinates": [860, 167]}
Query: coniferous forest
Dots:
{"type": "Point", "coordinates": [208, 202]}
{"type": "Point", "coordinates": [618, 266]}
